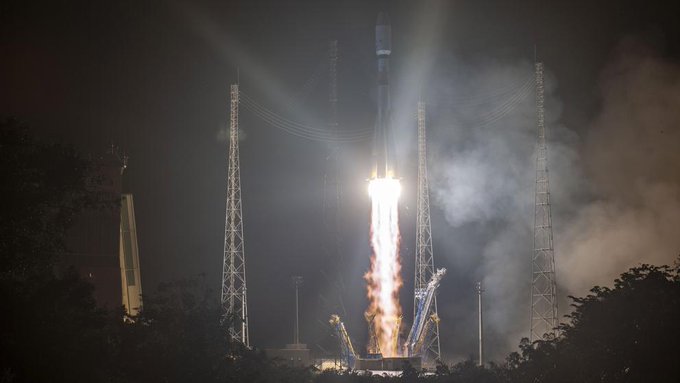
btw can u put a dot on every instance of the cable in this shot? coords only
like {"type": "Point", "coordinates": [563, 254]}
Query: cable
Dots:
{"type": "Point", "coordinates": [301, 130]}
{"type": "Point", "coordinates": [291, 125]}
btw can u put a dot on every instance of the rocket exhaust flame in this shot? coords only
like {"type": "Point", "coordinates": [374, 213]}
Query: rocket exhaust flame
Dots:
{"type": "Point", "coordinates": [384, 280]}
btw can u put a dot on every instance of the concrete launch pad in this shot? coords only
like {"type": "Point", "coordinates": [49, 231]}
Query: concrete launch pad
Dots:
{"type": "Point", "coordinates": [396, 363]}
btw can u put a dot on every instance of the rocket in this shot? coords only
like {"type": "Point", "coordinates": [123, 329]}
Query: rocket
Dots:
{"type": "Point", "coordinates": [383, 166]}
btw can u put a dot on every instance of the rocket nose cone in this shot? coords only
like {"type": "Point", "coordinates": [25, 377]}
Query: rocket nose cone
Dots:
{"type": "Point", "coordinates": [383, 35]}
{"type": "Point", "coordinates": [383, 19]}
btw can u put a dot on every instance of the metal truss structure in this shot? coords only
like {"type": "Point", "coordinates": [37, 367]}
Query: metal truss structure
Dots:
{"type": "Point", "coordinates": [234, 301]}
{"type": "Point", "coordinates": [424, 268]}
{"type": "Point", "coordinates": [544, 318]}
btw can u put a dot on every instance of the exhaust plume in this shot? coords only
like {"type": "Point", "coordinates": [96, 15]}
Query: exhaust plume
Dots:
{"type": "Point", "coordinates": [384, 279]}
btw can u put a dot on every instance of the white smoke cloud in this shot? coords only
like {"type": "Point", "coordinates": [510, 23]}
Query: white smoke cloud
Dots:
{"type": "Point", "coordinates": [615, 190]}
{"type": "Point", "coordinates": [632, 160]}
{"type": "Point", "coordinates": [482, 176]}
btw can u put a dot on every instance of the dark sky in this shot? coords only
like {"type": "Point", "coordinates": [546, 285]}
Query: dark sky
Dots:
{"type": "Point", "coordinates": [153, 77]}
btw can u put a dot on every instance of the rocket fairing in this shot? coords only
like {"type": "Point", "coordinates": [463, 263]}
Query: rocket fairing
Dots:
{"type": "Point", "coordinates": [383, 166]}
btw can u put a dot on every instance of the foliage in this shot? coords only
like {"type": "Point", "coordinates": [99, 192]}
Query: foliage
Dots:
{"type": "Point", "coordinates": [179, 337]}
{"type": "Point", "coordinates": [176, 338]}
{"type": "Point", "coordinates": [52, 331]}
{"type": "Point", "coordinates": [628, 333]}
{"type": "Point", "coordinates": [43, 189]}
{"type": "Point", "coordinates": [50, 327]}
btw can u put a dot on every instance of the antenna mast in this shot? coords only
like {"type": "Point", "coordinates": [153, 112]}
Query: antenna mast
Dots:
{"type": "Point", "coordinates": [297, 281]}
{"type": "Point", "coordinates": [543, 286]}
{"type": "Point", "coordinates": [424, 256]}
{"type": "Point", "coordinates": [234, 303]}
{"type": "Point", "coordinates": [480, 290]}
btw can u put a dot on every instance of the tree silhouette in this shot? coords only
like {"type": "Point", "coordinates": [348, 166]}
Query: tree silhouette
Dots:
{"type": "Point", "coordinates": [43, 189]}
{"type": "Point", "coordinates": [50, 327]}
{"type": "Point", "coordinates": [627, 333]}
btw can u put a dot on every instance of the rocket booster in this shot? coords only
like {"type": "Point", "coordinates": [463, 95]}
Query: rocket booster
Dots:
{"type": "Point", "coordinates": [382, 154]}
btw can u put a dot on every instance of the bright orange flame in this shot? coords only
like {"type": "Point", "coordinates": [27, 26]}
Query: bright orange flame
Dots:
{"type": "Point", "coordinates": [384, 279]}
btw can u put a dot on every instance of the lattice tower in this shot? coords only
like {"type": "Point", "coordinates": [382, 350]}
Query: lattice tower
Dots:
{"type": "Point", "coordinates": [543, 287]}
{"type": "Point", "coordinates": [332, 191]}
{"type": "Point", "coordinates": [424, 269]}
{"type": "Point", "coordinates": [331, 197]}
{"type": "Point", "coordinates": [234, 301]}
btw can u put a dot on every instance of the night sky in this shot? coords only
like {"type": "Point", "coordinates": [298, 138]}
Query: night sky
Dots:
{"type": "Point", "coordinates": [153, 78]}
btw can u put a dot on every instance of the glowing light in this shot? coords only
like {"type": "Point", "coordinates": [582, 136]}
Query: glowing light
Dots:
{"type": "Point", "coordinates": [384, 280]}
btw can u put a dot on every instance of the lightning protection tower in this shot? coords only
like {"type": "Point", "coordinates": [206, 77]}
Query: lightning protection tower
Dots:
{"type": "Point", "coordinates": [424, 256]}
{"type": "Point", "coordinates": [331, 185]}
{"type": "Point", "coordinates": [543, 286]}
{"type": "Point", "coordinates": [332, 193]}
{"type": "Point", "coordinates": [234, 302]}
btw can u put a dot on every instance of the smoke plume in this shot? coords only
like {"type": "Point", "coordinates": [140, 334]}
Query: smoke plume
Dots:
{"type": "Point", "coordinates": [615, 186]}
{"type": "Point", "coordinates": [631, 158]}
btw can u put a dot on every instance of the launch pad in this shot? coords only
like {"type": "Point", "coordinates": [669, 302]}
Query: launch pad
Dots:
{"type": "Point", "coordinates": [386, 351]}
{"type": "Point", "coordinates": [394, 363]}
{"type": "Point", "coordinates": [411, 352]}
